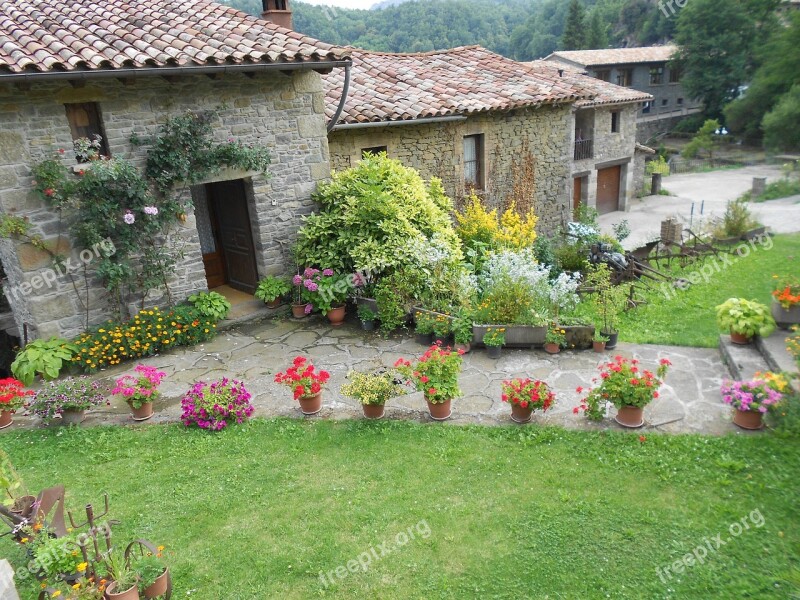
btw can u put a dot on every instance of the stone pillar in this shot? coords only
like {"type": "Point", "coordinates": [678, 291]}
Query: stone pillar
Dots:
{"type": "Point", "coordinates": [655, 187]}
{"type": "Point", "coordinates": [8, 590]}
{"type": "Point", "coordinates": [759, 186]}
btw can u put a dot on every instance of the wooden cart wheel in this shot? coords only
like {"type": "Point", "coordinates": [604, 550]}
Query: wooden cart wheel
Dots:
{"type": "Point", "coordinates": [139, 548]}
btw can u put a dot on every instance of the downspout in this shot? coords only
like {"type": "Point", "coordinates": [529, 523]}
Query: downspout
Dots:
{"type": "Point", "coordinates": [345, 92]}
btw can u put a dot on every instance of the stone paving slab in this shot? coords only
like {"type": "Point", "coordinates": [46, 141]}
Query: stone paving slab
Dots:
{"type": "Point", "coordinates": [690, 400]}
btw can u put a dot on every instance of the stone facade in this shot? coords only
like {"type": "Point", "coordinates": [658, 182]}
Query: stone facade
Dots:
{"type": "Point", "coordinates": [436, 150]}
{"type": "Point", "coordinates": [608, 149]}
{"type": "Point", "coordinates": [283, 112]}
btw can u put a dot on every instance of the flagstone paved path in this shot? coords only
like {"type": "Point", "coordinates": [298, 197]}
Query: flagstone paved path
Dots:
{"type": "Point", "coordinates": [690, 399]}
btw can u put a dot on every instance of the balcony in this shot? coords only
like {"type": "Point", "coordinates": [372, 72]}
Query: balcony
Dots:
{"type": "Point", "coordinates": [584, 149]}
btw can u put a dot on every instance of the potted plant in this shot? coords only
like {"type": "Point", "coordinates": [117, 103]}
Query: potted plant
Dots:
{"type": "Point", "coordinates": [493, 339]}
{"type": "Point", "coordinates": [306, 383]}
{"type": "Point", "coordinates": [140, 391]}
{"type": "Point", "coordinates": [372, 390]}
{"type": "Point", "coordinates": [744, 319]}
{"type": "Point", "coordinates": [213, 406]}
{"type": "Point", "coordinates": [58, 558]}
{"type": "Point", "coordinates": [12, 490]}
{"type": "Point", "coordinates": [609, 299]}
{"type": "Point", "coordinates": [124, 585]}
{"type": "Point", "coordinates": [786, 302]}
{"type": "Point", "coordinates": [462, 332]}
{"type": "Point", "coordinates": [599, 341]}
{"type": "Point", "coordinates": [627, 386]}
{"type": "Point", "coordinates": [442, 328]}
{"type": "Point", "coordinates": [435, 374]}
{"type": "Point", "coordinates": [272, 289]}
{"type": "Point", "coordinates": [327, 292]}
{"type": "Point", "coordinates": [302, 287]}
{"type": "Point", "coordinates": [554, 339]}
{"type": "Point", "coordinates": [68, 398]}
{"type": "Point", "coordinates": [42, 357]}
{"type": "Point", "coordinates": [525, 396]}
{"type": "Point", "coordinates": [367, 317]}
{"type": "Point", "coordinates": [751, 400]}
{"type": "Point", "coordinates": [423, 327]}
{"type": "Point", "coordinates": [151, 573]}
{"type": "Point", "coordinates": [12, 398]}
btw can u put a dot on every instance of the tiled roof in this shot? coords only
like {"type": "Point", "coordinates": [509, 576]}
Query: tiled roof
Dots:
{"type": "Point", "coordinates": [615, 56]}
{"type": "Point", "coordinates": [45, 36]}
{"type": "Point", "coordinates": [461, 81]}
{"type": "Point", "coordinates": [600, 92]}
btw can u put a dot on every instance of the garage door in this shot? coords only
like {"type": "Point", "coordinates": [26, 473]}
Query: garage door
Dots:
{"type": "Point", "coordinates": [608, 189]}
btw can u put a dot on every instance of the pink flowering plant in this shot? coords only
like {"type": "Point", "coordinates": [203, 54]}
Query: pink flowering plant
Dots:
{"type": "Point", "coordinates": [303, 378]}
{"type": "Point", "coordinates": [435, 374]}
{"type": "Point", "coordinates": [70, 393]}
{"type": "Point", "coordinates": [751, 396]}
{"type": "Point", "coordinates": [214, 406]}
{"type": "Point", "coordinates": [622, 382]}
{"type": "Point", "coordinates": [141, 388]}
{"type": "Point", "coordinates": [323, 289]}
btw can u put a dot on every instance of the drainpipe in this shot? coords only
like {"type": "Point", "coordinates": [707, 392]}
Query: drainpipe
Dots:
{"type": "Point", "coordinates": [345, 92]}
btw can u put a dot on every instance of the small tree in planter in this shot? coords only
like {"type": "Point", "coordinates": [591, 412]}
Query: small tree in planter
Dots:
{"type": "Point", "coordinates": [744, 319]}
{"type": "Point", "coordinates": [372, 390]}
{"type": "Point", "coordinates": [525, 396]}
{"type": "Point", "coordinates": [609, 299]}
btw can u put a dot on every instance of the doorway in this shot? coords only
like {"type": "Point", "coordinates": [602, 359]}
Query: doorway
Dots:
{"type": "Point", "coordinates": [580, 189]}
{"type": "Point", "coordinates": [226, 238]}
{"type": "Point", "coordinates": [608, 188]}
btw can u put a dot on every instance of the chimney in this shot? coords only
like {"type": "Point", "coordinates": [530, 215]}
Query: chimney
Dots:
{"type": "Point", "coordinates": [278, 12]}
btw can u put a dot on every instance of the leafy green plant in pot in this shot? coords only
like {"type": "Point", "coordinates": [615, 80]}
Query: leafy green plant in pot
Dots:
{"type": "Point", "coordinates": [599, 341]}
{"type": "Point", "coordinates": [152, 574]}
{"type": "Point", "coordinates": [367, 317]}
{"type": "Point", "coordinates": [462, 331]}
{"type": "Point", "coordinates": [610, 301]}
{"type": "Point", "coordinates": [423, 327]}
{"type": "Point", "coordinates": [494, 339]}
{"type": "Point", "coordinates": [372, 390]}
{"type": "Point", "coordinates": [744, 319]}
{"type": "Point", "coordinates": [272, 289]}
{"type": "Point", "coordinates": [124, 580]}
{"type": "Point", "coordinates": [211, 304]}
{"type": "Point", "coordinates": [42, 357]}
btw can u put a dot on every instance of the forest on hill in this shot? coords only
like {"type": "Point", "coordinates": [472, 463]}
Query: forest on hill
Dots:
{"type": "Point", "coordinates": [520, 29]}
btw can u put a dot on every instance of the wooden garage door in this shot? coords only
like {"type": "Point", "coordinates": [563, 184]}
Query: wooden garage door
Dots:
{"type": "Point", "coordinates": [608, 189]}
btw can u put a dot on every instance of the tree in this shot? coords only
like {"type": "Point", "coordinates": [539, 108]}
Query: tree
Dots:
{"type": "Point", "coordinates": [596, 36]}
{"type": "Point", "coordinates": [702, 140]}
{"type": "Point", "coordinates": [574, 37]}
{"type": "Point", "coordinates": [782, 123]}
{"type": "Point", "coordinates": [714, 38]}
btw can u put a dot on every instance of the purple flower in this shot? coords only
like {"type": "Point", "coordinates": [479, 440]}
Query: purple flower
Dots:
{"type": "Point", "coordinates": [327, 272]}
{"type": "Point", "coordinates": [129, 218]}
{"type": "Point", "coordinates": [150, 210]}
{"type": "Point", "coordinates": [310, 285]}
{"type": "Point", "coordinates": [308, 309]}
{"type": "Point", "coordinates": [297, 280]}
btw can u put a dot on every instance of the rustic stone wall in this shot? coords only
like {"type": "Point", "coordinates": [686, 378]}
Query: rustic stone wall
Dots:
{"type": "Point", "coordinates": [283, 112]}
{"type": "Point", "coordinates": [436, 150]}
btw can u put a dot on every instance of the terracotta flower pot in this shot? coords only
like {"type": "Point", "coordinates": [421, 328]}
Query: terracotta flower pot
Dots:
{"type": "Point", "coordinates": [111, 593]}
{"type": "Point", "coordinates": [740, 338]}
{"type": "Point", "coordinates": [73, 416]}
{"type": "Point", "coordinates": [440, 412]}
{"type": "Point", "coordinates": [494, 351]}
{"type": "Point", "coordinates": [311, 405]}
{"type": "Point", "coordinates": [336, 316]}
{"type": "Point", "coordinates": [552, 348]}
{"type": "Point", "coordinates": [299, 310]}
{"type": "Point", "coordinates": [276, 303]}
{"type": "Point", "coordinates": [748, 419]}
{"type": "Point", "coordinates": [159, 586]}
{"type": "Point", "coordinates": [144, 412]}
{"type": "Point", "coordinates": [373, 411]}
{"type": "Point", "coordinates": [519, 414]}
{"type": "Point", "coordinates": [630, 416]}
{"type": "Point", "coordinates": [6, 418]}
{"type": "Point", "coordinates": [598, 346]}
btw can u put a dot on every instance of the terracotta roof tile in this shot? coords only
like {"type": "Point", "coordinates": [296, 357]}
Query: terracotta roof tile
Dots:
{"type": "Point", "coordinates": [71, 35]}
{"type": "Point", "coordinates": [600, 92]}
{"type": "Point", "coordinates": [614, 56]}
{"type": "Point", "coordinates": [461, 81]}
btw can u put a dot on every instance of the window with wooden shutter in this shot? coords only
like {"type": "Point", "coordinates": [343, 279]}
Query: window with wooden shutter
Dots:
{"type": "Point", "coordinates": [85, 122]}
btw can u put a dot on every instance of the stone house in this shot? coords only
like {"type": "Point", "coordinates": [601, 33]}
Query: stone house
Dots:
{"type": "Point", "coordinates": [645, 69]}
{"type": "Point", "coordinates": [472, 118]}
{"type": "Point", "coordinates": [72, 69]}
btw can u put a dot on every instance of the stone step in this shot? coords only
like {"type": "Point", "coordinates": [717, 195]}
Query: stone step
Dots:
{"type": "Point", "coordinates": [777, 357]}
{"type": "Point", "coordinates": [743, 362]}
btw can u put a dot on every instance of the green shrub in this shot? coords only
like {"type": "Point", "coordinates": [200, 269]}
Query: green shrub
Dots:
{"type": "Point", "coordinates": [211, 304]}
{"type": "Point", "coordinates": [270, 288]}
{"type": "Point", "coordinates": [42, 357]}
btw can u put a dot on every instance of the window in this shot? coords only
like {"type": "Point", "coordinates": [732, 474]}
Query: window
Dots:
{"type": "Point", "coordinates": [656, 75]}
{"type": "Point", "coordinates": [374, 150]}
{"type": "Point", "coordinates": [473, 163]}
{"type": "Point", "coordinates": [674, 75]}
{"type": "Point", "coordinates": [665, 102]}
{"type": "Point", "coordinates": [85, 122]}
{"type": "Point", "coordinates": [680, 101]}
{"type": "Point", "coordinates": [604, 75]}
{"type": "Point", "coordinates": [625, 77]}
{"type": "Point", "coordinates": [615, 121]}
{"type": "Point", "coordinates": [647, 106]}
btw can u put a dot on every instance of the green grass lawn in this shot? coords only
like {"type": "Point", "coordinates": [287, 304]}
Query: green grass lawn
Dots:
{"type": "Point", "coordinates": [687, 318]}
{"type": "Point", "coordinates": [259, 511]}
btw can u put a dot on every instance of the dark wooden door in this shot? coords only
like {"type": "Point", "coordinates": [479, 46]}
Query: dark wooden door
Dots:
{"type": "Point", "coordinates": [608, 189]}
{"type": "Point", "coordinates": [577, 185]}
{"type": "Point", "coordinates": [228, 204]}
